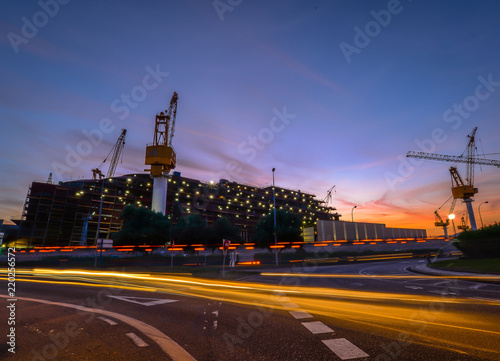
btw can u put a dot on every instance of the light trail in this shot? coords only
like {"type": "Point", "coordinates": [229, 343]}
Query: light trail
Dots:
{"type": "Point", "coordinates": [436, 321]}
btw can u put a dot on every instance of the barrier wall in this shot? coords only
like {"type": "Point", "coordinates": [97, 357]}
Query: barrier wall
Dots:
{"type": "Point", "coordinates": [357, 231]}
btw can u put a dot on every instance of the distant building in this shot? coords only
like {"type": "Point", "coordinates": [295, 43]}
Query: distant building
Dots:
{"type": "Point", "coordinates": [55, 214]}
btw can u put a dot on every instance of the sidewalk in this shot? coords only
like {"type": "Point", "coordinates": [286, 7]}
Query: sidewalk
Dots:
{"type": "Point", "coordinates": [472, 276]}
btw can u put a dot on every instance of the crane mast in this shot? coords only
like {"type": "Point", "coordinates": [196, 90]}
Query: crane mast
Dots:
{"type": "Point", "coordinates": [160, 155]}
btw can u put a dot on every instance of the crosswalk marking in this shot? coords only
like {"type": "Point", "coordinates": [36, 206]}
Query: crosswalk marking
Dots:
{"type": "Point", "coordinates": [317, 327]}
{"type": "Point", "coordinates": [300, 314]}
{"type": "Point", "coordinates": [345, 349]}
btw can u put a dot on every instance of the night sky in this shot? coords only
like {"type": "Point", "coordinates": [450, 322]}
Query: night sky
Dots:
{"type": "Point", "coordinates": [327, 92]}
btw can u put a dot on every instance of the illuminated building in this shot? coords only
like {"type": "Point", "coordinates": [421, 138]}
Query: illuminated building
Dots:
{"type": "Point", "coordinates": [54, 214]}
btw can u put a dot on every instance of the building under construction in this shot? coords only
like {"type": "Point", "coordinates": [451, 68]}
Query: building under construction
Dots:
{"type": "Point", "coordinates": [67, 214]}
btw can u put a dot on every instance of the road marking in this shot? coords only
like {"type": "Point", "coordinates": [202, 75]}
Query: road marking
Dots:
{"type": "Point", "coordinates": [169, 346]}
{"type": "Point", "coordinates": [137, 340]}
{"type": "Point", "coordinates": [150, 302]}
{"type": "Point", "coordinates": [107, 320]}
{"type": "Point", "coordinates": [414, 287]}
{"type": "Point", "coordinates": [317, 327]}
{"type": "Point", "coordinates": [345, 349]}
{"type": "Point", "coordinates": [300, 314]}
{"type": "Point", "coordinates": [290, 305]}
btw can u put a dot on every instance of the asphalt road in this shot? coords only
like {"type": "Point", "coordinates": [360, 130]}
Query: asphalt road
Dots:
{"type": "Point", "coordinates": [362, 311]}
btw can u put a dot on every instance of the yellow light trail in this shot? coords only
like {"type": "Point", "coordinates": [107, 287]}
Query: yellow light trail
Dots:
{"type": "Point", "coordinates": [443, 322]}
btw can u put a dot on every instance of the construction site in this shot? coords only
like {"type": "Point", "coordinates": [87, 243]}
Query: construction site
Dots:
{"type": "Point", "coordinates": [77, 213]}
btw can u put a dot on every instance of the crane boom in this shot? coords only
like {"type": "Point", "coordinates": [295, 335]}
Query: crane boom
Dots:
{"type": "Point", "coordinates": [452, 158]}
{"type": "Point", "coordinates": [117, 151]}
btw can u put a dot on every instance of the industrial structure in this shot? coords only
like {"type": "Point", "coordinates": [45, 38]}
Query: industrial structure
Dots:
{"type": "Point", "coordinates": [160, 155]}
{"type": "Point", "coordinates": [115, 154]}
{"type": "Point", "coordinates": [55, 214]}
{"type": "Point", "coordinates": [460, 189]}
{"type": "Point", "coordinates": [339, 231]}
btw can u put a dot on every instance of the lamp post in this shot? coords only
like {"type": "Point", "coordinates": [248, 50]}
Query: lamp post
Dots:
{"type": "Point", "coordinates": [275, 236]}
{"type": "Point", "coordinates": [98, 230]}
{"type": "Point", "coordinates": [352, 213]}
{"type": "Point", "coordinates": [481, 218]}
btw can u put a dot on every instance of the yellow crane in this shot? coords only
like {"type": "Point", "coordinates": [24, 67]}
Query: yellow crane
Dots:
{"type": "Point", "coordinates": [460, 189]}
{"type": "Point", "coordinates": [160, 155]}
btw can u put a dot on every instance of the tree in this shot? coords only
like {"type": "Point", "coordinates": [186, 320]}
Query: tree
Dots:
{"type": "Point", "coordinates": [190, 230]}
{"type": "Point", "coordinates": [143, 226]}
{"type": "Point", "coordinates": [288, 228]}
{"type": "Point", "coordinates": [223, 229]}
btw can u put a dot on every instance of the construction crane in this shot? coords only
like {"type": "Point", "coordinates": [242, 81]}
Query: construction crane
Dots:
{"type": "Point", "coordinates": [460, 189]}
{"type": "Point", "coordinates": [328, 197]}
{"type": "Point", "coordinates": [115, 154]}
{"type": "Point", "coordinates": [438, 222]}
{"type": "Point", "coordinates": [160, 155]}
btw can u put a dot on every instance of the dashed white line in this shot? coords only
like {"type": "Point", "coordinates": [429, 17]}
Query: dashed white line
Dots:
{"type": "Point", "coordinates": [107, 320]}
{"type": "Point", "coordinates": [345, 349]}
{"type": "Point", "coordinates": [300, 314]}
{"type": "Point", "coordinates": [137, 340]}
{"type": "Point", "coordinates": [290, 305]}
{"type": "Point", "coordinates": [317, 327]}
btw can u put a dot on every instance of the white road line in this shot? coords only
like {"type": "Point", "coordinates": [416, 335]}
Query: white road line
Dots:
{"type": "Point", "coordinates": [148, 302]}
{"type": "Point", "coordinates": [169, 346]}
{"type": "Point", "coordinates": [317, 327]}
{"type": "Point", "coordinates": [290, 305]}
{"type": "Point", "coordinates": [345, 349]}
{"type": "Point", "coordinates": [107, 320]}
{"type": "Point", "coordinates": [137, 340]}
{"type": "Point", "coordinates": [300, 314]}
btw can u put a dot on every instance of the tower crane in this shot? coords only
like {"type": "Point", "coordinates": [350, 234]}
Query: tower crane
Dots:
{"type": "Point", "coordinates": [460, 189]}
{"type": "Point", "coordinates": [160, 154]}
{"type": "Point", "coordinates": [115, 153]}
{"type": "Point", "coordinates": [328, 197]}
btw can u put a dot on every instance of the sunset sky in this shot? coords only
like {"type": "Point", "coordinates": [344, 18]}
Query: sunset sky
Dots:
{"type": "Point", "coordinates": [327, 92]}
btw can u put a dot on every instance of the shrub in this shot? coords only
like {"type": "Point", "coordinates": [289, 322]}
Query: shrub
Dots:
{"type": "Point", "coordinates": [482, 243]}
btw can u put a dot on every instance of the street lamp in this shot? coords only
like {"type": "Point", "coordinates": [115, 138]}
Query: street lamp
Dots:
{"type": "Point", "coordinates": [481, 218]}
{"type": "Point", "coordinates": [452, 217]}
{"type": "Point", "coordinates": [275, 236]}
{"type": "Point", "coordinates": [352, 213]}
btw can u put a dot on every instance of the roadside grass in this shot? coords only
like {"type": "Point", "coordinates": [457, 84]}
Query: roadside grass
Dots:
{"type": "Point", "coordinates": [475, 265]}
